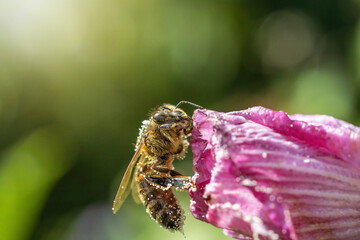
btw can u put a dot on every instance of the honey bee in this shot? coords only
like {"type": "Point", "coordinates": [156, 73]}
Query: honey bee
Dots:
{"type": "Point", "coordinates": [161, 139]}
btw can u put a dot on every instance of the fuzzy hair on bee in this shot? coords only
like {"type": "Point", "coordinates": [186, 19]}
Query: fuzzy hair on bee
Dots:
{"type": "Point", "coordinates": [161, 139]}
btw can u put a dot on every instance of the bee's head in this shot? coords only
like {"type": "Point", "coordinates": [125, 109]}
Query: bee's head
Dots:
{"type": "Point", "coordinates": [169, 116]}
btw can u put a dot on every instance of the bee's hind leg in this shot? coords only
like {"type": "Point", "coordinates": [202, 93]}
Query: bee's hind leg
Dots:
{"type": "Point", "coordinates": [157, 177]}
{"type": "Point", "coordinates": [180, 181]}
{"type": "Point", "coordinates": [165, 178]}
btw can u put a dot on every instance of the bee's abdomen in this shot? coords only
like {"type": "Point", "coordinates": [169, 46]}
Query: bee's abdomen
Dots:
{"type": "Point", "coordinates": [162, 206]}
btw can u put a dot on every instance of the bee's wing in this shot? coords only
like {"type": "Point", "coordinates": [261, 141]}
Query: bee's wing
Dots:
{"type": "Point", "coordinates": [135, 188]}
{"type": "Point", "coordinates": [124, 187]}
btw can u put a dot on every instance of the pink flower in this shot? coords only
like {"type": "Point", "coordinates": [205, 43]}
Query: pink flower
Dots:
{"type": "Point", "coordinates": [262, 174]}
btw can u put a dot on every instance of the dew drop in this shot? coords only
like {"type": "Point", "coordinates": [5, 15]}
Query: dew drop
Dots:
{"type": "Point", "coordinates": [247, 218]}
{"type": "Point", "coordinates": [248, 182]}
{"type": "Point", "coordinates": [272, 198]}
{"type": "Point", "coordinates": [236, 207]}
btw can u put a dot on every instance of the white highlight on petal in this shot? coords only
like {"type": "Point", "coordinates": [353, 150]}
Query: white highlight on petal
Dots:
{"type": "Point", "coordinates": [248, 182]}
{"type": "Point", "coordinates": [257, 226]}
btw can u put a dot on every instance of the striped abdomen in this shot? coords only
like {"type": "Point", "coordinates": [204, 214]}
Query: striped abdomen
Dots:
{"type": "Point", "coordinates": [162, 205]}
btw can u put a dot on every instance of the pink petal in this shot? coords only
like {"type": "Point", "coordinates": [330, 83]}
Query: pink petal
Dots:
{"type": "Point", "coordinates": [262, 174]}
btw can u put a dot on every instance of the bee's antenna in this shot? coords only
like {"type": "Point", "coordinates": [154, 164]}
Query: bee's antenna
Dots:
{"type": "Point", "coordinates": [190, 103]}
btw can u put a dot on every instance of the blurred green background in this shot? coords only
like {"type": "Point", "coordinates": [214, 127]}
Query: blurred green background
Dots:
{"type": "Point", "coordinates": [78, 77]}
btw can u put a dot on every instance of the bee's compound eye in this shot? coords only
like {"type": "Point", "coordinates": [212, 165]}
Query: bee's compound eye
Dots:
{"type": "Point", "coordinates": [178, 112]}
{"type": "Point", "coordinates": [159, 116]}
